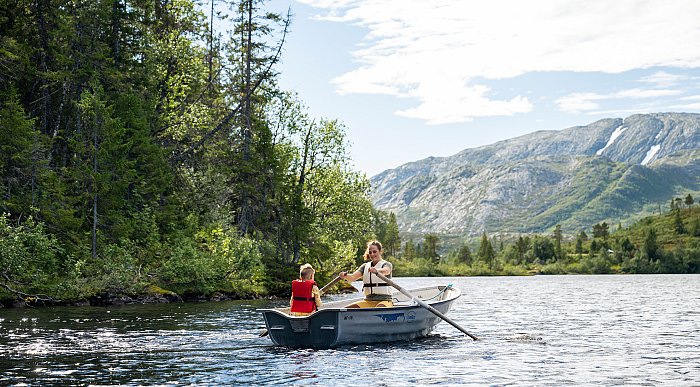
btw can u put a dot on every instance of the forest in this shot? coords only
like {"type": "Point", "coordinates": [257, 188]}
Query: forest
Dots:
{"type": "Point", "coordinates": [666, 243]}
{"type": "Point", "coordinates": [145, 152]}
{"type": "Point", "coordinates": [147, 155]}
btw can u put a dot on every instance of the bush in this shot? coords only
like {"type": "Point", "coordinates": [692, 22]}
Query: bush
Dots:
{"type": "Point", "coordinates": [32, 261]}
{"type": "Point", "coordinates": [114, 270]}
{"type": "Point", "coordinates": [189, 269]}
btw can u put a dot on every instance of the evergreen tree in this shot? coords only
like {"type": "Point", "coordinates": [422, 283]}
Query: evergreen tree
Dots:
{"type": "Point", "coordinates": [594, 247]}
{"type": "Point", "coordinates": [430, 247]}
{"type": "Point", "coordinates": [21, 158]}
{"type": "Point", "coordinates": [678, 222]}
{"type": "Point", "coordinates": [557, 235]}
{"type": "Point", "coordinates": [521, 247]}
{"type": "Point", "coordinates": [679, 203]}
{"type": "Point", "coordinates": [689, 201]}
{"type": "Point", "coordinates": [601, 230]}
{"type": "Point", "coordinates": [583, 236]}
{"type": "Point", "coordinates": [695, 228]}
{"type": "Point", "coordinates": [392, 240]}
{"type": "Point", "coordinates": [651, 245]}
{"type": "Point", "coordinates": [579, 247]}
{"type": "Point", "coordinates": [464, 255]}
{"type": "Point", "coordinates": [486, 253]}
{"type": "Point", "coordinates": [409, 250]}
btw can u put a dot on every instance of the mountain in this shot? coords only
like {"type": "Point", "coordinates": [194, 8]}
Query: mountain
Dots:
{"type": "Point", "coordinates": [614, 170]}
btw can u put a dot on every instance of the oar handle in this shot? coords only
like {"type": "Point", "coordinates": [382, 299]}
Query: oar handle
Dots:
{"type": "Point", "coordinates": [425, 305]}
{"type": "Point", "coordinates": [328, 285]}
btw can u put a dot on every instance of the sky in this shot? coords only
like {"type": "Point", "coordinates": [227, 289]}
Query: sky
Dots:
{"type": "Point", "coordinates": [412, 79]}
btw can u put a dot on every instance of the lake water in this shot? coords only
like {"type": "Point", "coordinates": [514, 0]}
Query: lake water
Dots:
{"type": "Point", "coordinates": [541, 330]}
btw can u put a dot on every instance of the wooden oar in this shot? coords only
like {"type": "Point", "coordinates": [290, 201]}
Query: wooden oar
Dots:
{"type": "Point", "coordinates": [328, 285]}
{"type": "Point", "coordinates": [425, 305]}
{"type": "Point", "coordinates": [322, 290]}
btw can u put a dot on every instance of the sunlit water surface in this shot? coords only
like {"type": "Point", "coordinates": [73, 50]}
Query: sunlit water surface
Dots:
{"type": "Point", "coordinates": [542, 330]}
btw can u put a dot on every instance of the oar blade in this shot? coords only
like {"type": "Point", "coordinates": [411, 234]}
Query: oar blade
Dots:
{"type": "Point", "coordinates": [425, 305]}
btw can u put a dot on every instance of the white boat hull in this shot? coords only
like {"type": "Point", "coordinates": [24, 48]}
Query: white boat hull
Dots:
{"type": "Point", "coordinates": [334, 325]}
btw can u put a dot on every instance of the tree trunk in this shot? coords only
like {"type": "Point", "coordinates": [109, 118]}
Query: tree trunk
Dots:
{"type": "Point", "coordinates": [245, 221]}
{"type": "Point", "coordinates": [95, 196]}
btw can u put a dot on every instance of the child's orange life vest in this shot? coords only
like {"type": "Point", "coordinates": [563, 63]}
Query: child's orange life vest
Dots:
{"type": "Point", "coordinates": [302, 300]}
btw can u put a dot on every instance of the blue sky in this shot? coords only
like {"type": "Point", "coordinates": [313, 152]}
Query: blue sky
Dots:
{"type": "Point", "coordinates": [417, 78]}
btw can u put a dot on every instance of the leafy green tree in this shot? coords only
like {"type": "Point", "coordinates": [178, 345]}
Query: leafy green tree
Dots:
{"type": "Point", "coordinates": [522, 246]}
{"type": "Point", "coordinates": [32, 263]}
{"type": "Point", "coordinates": [626, 248]}
{"type": "Point", "coordinates": [600, 264]}
{"type": "Point", "coordinates": [543, 249]}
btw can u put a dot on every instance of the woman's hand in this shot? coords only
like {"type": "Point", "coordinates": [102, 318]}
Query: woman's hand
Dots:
{"type": "Point", "coordinates": [373, 270]}
{"type": "Point", "coordinates": [343, 274]}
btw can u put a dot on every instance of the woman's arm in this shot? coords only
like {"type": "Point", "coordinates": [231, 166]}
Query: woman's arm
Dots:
{"type": "Point", "coordinates": [351, 277]}
{"type": "Point", "coordinates": [385, 270]}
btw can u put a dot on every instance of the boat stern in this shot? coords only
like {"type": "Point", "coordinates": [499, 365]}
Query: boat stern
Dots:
{"type": "Point", "coordinates": [319, 330]}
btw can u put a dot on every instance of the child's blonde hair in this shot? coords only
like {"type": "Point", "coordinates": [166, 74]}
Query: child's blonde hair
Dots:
{"type": "Point", "coordinates": [306, 270]}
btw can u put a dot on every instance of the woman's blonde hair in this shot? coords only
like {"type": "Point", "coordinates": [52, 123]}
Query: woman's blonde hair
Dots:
{"type": "Point", "coordinates": [306, 270]}
{"type": "Point", "coordinates": [375, 243]}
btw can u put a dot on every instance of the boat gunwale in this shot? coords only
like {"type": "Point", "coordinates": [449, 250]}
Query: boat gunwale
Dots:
{"type": "Point", "coordinates": [413, 305]}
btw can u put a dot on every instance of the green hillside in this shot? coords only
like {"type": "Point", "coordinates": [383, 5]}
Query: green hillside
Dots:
{"type": "Point", "coordinates": [666, 243]}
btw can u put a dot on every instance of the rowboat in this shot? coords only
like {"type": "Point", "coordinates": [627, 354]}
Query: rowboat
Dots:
{"type": "Point", "coordinates": [334, 325]}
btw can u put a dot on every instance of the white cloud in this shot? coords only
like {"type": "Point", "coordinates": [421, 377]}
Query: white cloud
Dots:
{"type": "Point", "coordinates": [435, 51]}
{"type": "Point", "coordinates": [579, 102]}
{"type": "Point", "coordinates": [645, 93]}
{"type": "Point", "coordinates": [663, 79]}
{"type": "Point", "coordinates": [687, 107]}
{"type": "Point", "coordinates": [455, 103]}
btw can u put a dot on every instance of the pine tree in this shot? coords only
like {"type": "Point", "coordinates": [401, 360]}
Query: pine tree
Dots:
{"type": "Point", "coordinates": [409, 250]}
{"type": "Point", "coordinates": [20, 157]}
{"type": "Point", "coordinates": [557, 235]}
{"type": "Point", "coordinates": [464, 255]}
{"type": "Point", "coordinates": [392, 240]}
{"type": "Point", "coordinates": [678, 222]}
{"type": "Point", "coordinates": [689, 201]}
{"type": "Point", "coordinates": [579, 247]}
{"type": "Point", "coordinates": [430, 246]}
{"type": "Point", "coordinates": [486, 253]}
{"type": "Point", "coordinates": [651, 246]}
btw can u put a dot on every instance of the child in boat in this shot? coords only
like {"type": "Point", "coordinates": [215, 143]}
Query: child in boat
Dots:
{"type": "Point", "coordinates": [377, 292]}
{"type": "Point", "coordinates": [306, 297]}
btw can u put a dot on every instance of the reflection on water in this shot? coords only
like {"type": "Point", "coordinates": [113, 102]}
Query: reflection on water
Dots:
{"type": "Point", "coordinates": [544, 330]}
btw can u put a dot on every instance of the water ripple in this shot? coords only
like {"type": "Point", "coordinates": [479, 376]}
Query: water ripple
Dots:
{"type": "Point", "coordinates": [545, 330]}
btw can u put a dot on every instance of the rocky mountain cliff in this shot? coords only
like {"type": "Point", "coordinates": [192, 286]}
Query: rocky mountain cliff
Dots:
{"type": "Point", "coordinates": [613, 170]}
